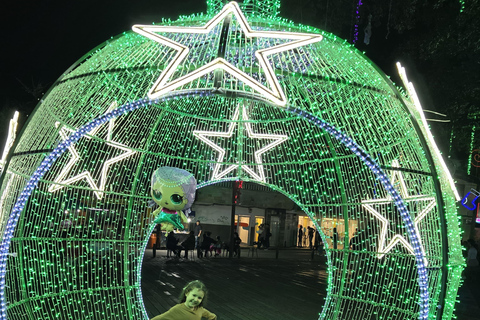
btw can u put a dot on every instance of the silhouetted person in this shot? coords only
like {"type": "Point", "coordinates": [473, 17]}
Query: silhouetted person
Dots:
{"type": "Point", "coordinates": [172, 244]}
{"type": "Point", "coordinates": [261, 235]}
{"type": "Point", "coordinates": [197, 232]}
{"type": "Point", "coordinates": [355, 242]}
{"type": "Point", "coordinates": [335, 238]}
{"type": "Point", "coordinates": [217, 246]}
{"type": "Point", "coordinates": [207, 243]}
{"type": "Point", "coordinates": [267, 236]}
{"type": "Point", "coordinates": [472, 252]}
{"type": "Point", "coordinates": [311, 232]}
{"type": "Point", "coordinates": [189, 243]}
{"type": "Point", "coordinates": [236, 244]}
{"type": "Point", "coordinates": [318, 242]}
{"type": "Point", "coordinates": [300, 236]}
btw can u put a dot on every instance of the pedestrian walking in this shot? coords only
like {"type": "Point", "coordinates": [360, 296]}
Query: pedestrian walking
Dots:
{"type": "Point", "coordinates": [236, 244]}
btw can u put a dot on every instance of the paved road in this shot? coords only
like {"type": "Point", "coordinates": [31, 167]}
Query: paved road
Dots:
{"type": "Point", "coordinates": [292, 287]}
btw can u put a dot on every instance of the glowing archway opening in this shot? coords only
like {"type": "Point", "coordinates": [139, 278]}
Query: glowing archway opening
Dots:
{"type": "Point", "coordinates": [342, 138]}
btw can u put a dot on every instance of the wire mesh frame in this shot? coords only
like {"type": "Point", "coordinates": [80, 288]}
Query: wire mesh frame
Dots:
{"type": "Point", "coordinates": [82, 131]}
{"type": "Point", "coordinates": [330, 71]}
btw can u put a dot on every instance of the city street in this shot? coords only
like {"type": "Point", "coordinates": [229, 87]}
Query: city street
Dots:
{"type": "Point", "coordinates": [288, 288]}
{"type": "Point", "coordinates": [259, 287]}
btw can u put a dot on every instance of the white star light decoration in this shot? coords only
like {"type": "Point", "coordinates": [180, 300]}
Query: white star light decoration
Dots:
{"type": "Point", "coordinates": [260, 176]}
{"type": "Point", "coordinates": [275, 93]}
{"type": "Point", "coordinates": [367, 204]}
{"type": "Point", "coordinates": [60, 182]}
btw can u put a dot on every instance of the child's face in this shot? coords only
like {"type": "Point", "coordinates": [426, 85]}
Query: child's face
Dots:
{"type": "Point", "coordinates": [194, 297]}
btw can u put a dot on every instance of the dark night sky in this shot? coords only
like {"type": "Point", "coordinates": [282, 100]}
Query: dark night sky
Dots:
{"type": "Point", "coordinates": [42, 38]}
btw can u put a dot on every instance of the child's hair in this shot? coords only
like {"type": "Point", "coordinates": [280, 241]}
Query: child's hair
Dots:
{"type": "Point", "coordinates": [192, 285]}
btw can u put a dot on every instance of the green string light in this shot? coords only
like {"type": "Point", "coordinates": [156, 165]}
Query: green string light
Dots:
{"type": "Point", "coordinates": [77, 248]}
{"type": "Point", "coordinates": [472, 145]}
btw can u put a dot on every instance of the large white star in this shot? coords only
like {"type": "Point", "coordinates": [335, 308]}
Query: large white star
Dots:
{"type": "Point", "coordinates": [60, 180]}
{"type": "Point", "coordinates": [273, 93]}
{"type": "Point", "coordinates": [385, 223]}
{"type": "Point", "coordinates": [260, 176]}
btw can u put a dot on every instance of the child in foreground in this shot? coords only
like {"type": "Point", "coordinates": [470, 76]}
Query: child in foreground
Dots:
{"type": "Point", "coordinates": [190, 306]}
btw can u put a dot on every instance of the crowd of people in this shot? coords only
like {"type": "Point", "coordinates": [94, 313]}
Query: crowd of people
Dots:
{"type": "Point", "coordinates": [202, 242]}
{"type": "Point", "coordinates": [309, 237]}
{"type": "Point", "coordinates": [205, 245]}
{"type": "Point", "coordinates": [173, 245]}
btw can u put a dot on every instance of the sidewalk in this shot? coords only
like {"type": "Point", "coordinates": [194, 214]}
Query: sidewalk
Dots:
{"type": "Point", "coordinates": [469, 296]}
{"type": "Point", "coordinates": [291, 287]}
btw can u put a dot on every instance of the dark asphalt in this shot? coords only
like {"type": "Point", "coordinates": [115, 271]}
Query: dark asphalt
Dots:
{"type": "Point", "coordinates": [292, 287]}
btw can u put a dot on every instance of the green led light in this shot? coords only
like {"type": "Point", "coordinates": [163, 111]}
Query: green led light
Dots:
{"type": "Point", "coordinates": [78, 246]}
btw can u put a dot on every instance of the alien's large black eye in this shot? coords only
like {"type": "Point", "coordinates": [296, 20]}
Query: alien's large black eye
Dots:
{"type": "Point", "coordinates": [176, 198]}
{"type": "Point", "coordinates": [157, 195]}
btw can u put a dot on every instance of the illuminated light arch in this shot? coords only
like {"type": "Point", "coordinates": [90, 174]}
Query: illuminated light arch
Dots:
{"type": "Point", "coordinates": [67, 143]}
{"type": "Point", "coordinates": [342, 122]}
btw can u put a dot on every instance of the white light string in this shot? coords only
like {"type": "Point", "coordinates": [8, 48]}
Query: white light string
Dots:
{"type": "Point", "coordinates": [275, 93]}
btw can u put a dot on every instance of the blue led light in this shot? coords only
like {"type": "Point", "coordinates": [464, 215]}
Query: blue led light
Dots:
{"type": "Point", "coordinates": [470, 204]}
{"type": "Point", "coordinates": [40, 172]}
